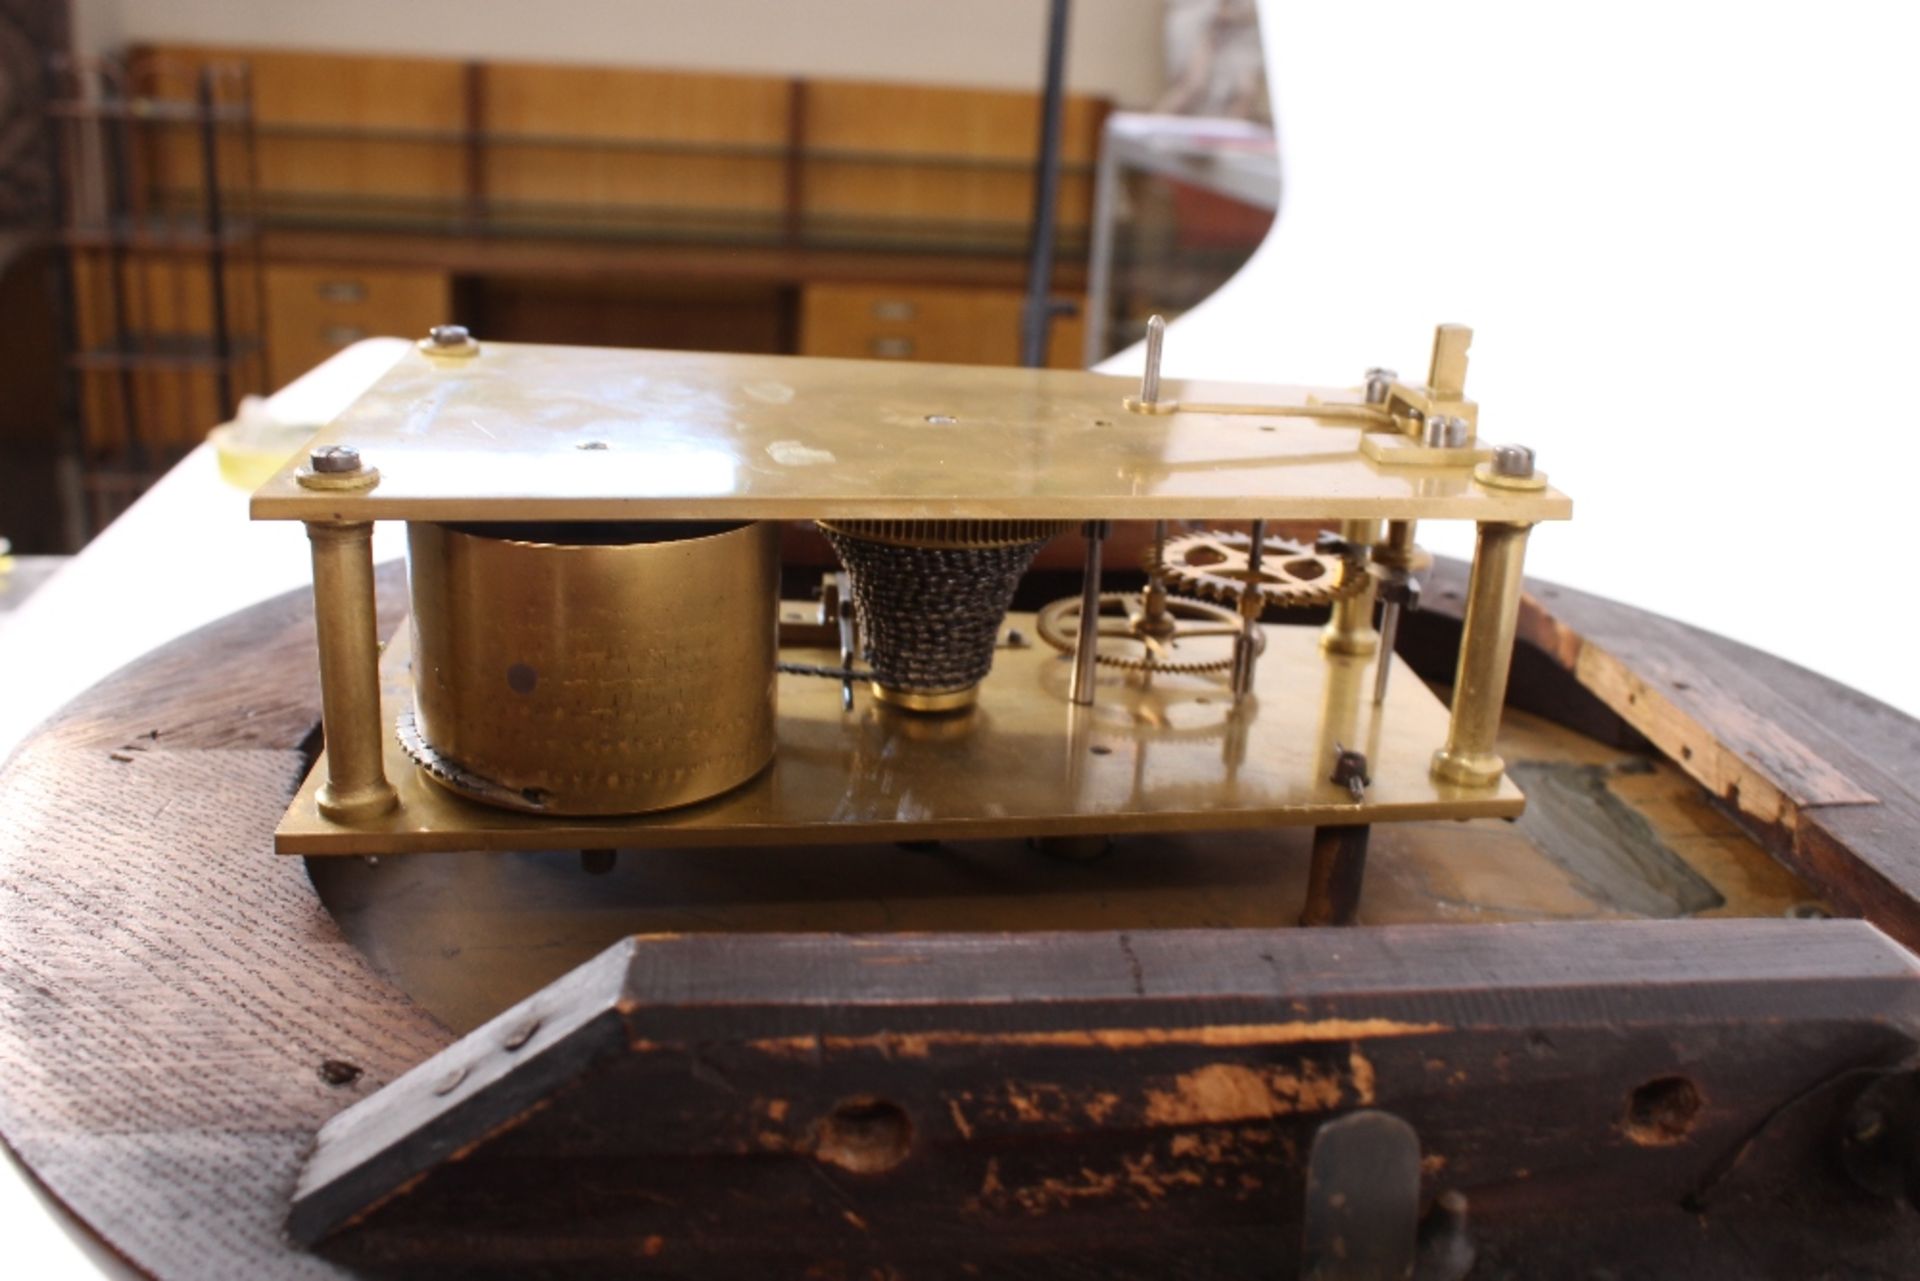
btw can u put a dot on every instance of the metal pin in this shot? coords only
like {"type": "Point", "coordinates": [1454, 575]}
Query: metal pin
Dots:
{"type": "Point", "coordinates": [1444, 431]}
{"type": "Point", "coordinates": [1389, 631]}
{"type": "Point", "coordinates": [1243, 644]}
{"type": "Point", "coordinates": [1379, 383]}
{"type": "Point", "coordinates": [1086, 646]}
{"type": "Point", "coordinates": [1513, 460]}
{"type": "Point", "coordinates": [1157, 571]}
{"type": "Point", "coordinates": [845, 618]}
{"type": "Point", "coordinates": [1398, 590]}
{"type": "Point", "coordinates": [1150, 376]}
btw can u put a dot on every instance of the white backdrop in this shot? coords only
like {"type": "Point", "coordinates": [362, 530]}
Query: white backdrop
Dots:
{"type": "Point", "coordinates": [1685, 237]}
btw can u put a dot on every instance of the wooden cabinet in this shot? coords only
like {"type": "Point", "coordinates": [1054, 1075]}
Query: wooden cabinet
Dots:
{"type": "Point", "coordinates": [340, 196]}
{"type": "Point", "coordinates": [152, 377]}
{"type": "Point", "coordinates": [338, 136]}
{"type": "Point", "coordinates": [313, 312]}
{"type": "Point", "coordinates": [948, 164]}
{"type": "Point", "coordinates": [354, 140]}
{"type": "Point", "coordinates": [917, 322]}
{"type": "Point", "coordinates": [626, 146]}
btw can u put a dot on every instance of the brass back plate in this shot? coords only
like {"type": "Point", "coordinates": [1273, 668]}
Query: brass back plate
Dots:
{"type": "Point", "coordinates": [576, 433]}
{"type": "Point", "coordinates": [1170, 753]}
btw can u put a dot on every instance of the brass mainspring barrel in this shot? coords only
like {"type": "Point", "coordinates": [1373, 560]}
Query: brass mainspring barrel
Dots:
{"type": "Point", "coordinates": [593, 668]}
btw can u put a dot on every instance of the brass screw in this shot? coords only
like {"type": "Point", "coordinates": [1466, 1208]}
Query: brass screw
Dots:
{"type": "Point", "coordinates": [1515, 461]}
{"type": "Point", "coordinates": [334, 460]}
{"type": "Point", "coordinates": [1444, 431]}
{"type": "Point", "coordinates": [450, 342]}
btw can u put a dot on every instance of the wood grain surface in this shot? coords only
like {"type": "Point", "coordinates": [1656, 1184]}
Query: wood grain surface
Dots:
{"type": "Point", "coordinates": [1129, 1105]}
{"type": "Point", "coordinates": [1827, 778]}
{"type": "Point", "coordinates": [179, 1013]}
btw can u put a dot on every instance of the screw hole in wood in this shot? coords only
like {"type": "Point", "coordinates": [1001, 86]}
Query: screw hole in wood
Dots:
{"type": "Point", "coordinates": [865, 1135]}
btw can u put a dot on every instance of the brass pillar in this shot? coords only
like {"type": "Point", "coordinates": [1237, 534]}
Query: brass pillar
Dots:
{"type": "Point", "coordinates": [343, 615]}
{"type": "Point", "coordinates": [1350, 630]}
{"type": "Point", "coordinates": [1486, 653]}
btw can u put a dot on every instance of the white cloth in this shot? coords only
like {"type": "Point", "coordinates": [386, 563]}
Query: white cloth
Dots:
{"type": "Point", "coordinates": [1683, 235]}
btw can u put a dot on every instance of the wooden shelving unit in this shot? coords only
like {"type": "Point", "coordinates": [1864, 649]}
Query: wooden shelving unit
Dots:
{"type": "Point", "coordinates": [355, 195]}
{"type": "Point", "coordinates": [350, 141]}
{"type": "Point", "coordinates": [162, 286]}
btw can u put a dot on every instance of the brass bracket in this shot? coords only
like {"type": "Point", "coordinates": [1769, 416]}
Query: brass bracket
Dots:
{"type": "Point", "coordinates": [1410, 405]}
{"type": "Point", "coordinates": [1396, 450]}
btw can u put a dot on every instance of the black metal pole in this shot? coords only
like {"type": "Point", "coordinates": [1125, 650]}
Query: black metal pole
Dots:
{"type": "Point", "coordinates": [216, 226]}
{"type": "Point", "coordinates": [62, 132]}
{"type": "Point", "coordinates": [1036, 318]}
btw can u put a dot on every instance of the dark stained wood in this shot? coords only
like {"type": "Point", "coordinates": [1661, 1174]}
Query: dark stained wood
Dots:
{"type": "Point", "coordinates": [675, 315]}
{"type": "Point", "coordinates": [1335, 877]}
{"type": "Point", "coordinates": [179, 1014]}
{"type": "Point", "coordinates": [34, 491]}
{"type": "Point", "coordinates": [1138, 1104]}
{"type": "Point", "coordinates": [263, 677]}
{"type": "Point", "coordinates": [1826, 777]}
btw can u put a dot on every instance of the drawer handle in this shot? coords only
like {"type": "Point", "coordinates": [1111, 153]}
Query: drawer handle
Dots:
{"type": "Point", "coordinates": [891, 348]}
{"type": "Point", "coordinates": [893, 309]}
{"type": "Point", "coordinates": [342, 290]}
{"type": "Point", "coordinates": [342, 335]}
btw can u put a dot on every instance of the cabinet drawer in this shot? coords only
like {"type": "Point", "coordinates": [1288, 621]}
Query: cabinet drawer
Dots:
{"type": "Point", "coordinates": [313, 312]}
{"type": "Point", "coordinates": [915, 322]}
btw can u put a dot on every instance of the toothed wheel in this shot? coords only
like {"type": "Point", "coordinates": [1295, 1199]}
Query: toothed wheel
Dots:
{"type": "Point", "coordinates": [1217, 565]}
{"type": "Point", "coordinates": [1186, 636]}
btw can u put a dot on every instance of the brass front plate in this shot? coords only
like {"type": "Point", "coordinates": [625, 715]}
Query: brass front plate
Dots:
{"type": "Point", "coordinates": [576, 433]}
{"type": "Point", "coordinates": [1160, 754]}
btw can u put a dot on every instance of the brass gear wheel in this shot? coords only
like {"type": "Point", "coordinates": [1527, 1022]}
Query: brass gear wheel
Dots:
{"type": "Point", "coordinates": [1137, 640]}
{"type": "Point", "coordinates": [1216, 565]}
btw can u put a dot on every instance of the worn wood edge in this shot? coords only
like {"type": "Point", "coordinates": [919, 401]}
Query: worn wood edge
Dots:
{"type": "Point", "coordinates": [1747, 730]}
{"type": "Point", "coordinates": [510, 1062]}
{"type": "Point", "coordinates": [901, 997]}
{"type": "Point", "coordinates": [107, 696]}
